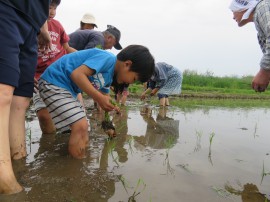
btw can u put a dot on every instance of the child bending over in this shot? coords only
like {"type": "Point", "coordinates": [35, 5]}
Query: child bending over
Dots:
{"type": "Point", "coordinates": [73, 73]}
{"type": "Point", "coordinates": [166, 80]}
{"type": "Point", "coordinates": [59, 48]}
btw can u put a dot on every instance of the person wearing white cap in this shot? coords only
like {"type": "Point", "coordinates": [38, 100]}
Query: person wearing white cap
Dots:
{"type": "Point", "coordinates": [88, 21]}
{"type": "Point", "coordinates": [257, 11]}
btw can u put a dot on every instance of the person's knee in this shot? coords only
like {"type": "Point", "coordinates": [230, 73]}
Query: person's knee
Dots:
{"type": "Point", "coordinates": [6, 94]}
{"type": "Point", "coordinates": [20, 103]}
{"type": "Point", "coordinates": [44, 116]}
{"type": "Point", "coordinates": [80, 126]}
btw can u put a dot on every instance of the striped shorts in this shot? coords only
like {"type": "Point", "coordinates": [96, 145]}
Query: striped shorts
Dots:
{"type": "Point", "coordinates": [38, 102]}
{"type": "Point", "coordinates": [62, 106]}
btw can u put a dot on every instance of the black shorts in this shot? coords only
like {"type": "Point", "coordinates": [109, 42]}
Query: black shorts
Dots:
{"type": "Point", "coordinates": [18, 51]}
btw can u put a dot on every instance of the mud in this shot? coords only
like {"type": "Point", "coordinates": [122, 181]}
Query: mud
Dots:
{"type": "Point", "coordinates": [159, 154]}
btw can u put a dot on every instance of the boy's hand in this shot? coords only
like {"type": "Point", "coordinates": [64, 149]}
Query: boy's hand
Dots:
{"type": "Point", "coordinates": [143, 96]}
{"type": "Point", "coordinates": [105, 103]}
{"type": "Point", "coordinates": [44, 39]}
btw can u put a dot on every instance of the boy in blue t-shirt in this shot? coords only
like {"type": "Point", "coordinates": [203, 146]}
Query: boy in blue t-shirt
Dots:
{"type": "Point", "coordinates": [73, 73]}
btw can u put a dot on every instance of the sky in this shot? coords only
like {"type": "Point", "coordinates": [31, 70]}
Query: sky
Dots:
{"type": "Point", "coordinates": [196, 35]}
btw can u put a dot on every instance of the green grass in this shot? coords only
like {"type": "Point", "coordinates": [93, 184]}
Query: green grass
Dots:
{"type": "Point", "coordinates": [209, 90]}
{"type": "Point", "coordinates": [215, 102]}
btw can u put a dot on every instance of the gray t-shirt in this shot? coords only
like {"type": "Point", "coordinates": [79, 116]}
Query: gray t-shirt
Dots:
{"type": "Point", "coordinates": [85, 39]}
{"type": "Point", "coordinates": [261, 20]}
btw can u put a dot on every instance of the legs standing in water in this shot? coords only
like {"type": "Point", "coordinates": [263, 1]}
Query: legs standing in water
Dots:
{"type": "Point", "coordinates": [8, 182]}
{"type": "Point", "coordinates": [163, 100]}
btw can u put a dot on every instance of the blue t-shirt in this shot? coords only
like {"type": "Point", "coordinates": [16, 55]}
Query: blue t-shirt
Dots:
{"type": "Point", "coordinates": [103, 62]}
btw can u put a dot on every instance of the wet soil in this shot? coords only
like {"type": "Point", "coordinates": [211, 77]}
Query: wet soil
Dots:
{"type": "Point", "coordinates": [159, 154]}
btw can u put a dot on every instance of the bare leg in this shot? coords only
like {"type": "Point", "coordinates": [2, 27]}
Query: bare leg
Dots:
{"type": "Point", "coordinates": [118, 97]}
{"type": "Point", "coordinates": [167, 103]}
{"type": "Point", "coordinates": [45, 121]}
{"type": "Point", "coordinates": [8, 182]}
{"type": "Point", "coordinates": [162, 102]}
{"type": "Point", "coordinates": [124, 99]}
{"type": "Point", "coordinates": [78, 139]}
{"type": "Point", "coordinates": [80, 98]}
{"type": "Point", "coordinates": [18, 109]}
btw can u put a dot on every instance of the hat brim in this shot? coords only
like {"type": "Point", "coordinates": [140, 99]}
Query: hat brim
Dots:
{"type": "Point", "coordinates": [117, 46]}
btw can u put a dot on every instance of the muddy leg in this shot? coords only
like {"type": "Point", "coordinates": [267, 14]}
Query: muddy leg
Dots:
{"type": "Point", "coordinates": [18, 109]}
{"type": "Point", "coordinates": [8, 182]}
{"type": "Point", "coordinates": [162, 101]}
{"type": "Point", "coordinates": [45, 121]}
{"type": "Point", "coordinates": [78, 139]}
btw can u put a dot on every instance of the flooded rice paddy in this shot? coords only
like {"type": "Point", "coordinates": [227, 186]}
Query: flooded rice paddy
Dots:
{"type": "Point", "coordinates": [171, 154]}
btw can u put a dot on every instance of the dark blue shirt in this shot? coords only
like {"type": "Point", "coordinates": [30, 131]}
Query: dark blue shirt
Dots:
{"type": "Point", "coordinates": [85, 39]}
{"type": "Point", "coordinates": [34, 11]}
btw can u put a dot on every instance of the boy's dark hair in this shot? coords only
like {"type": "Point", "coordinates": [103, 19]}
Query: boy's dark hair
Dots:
{"type": "Point", "coordinates": [55, 2]}
{"type": "Point", "coordinates": [143, 63]}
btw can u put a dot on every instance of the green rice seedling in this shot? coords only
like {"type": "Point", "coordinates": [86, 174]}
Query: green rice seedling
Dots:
{"type": "Point", "coordinates": [130, 141]}
{"type": "Point", "coordinates": [185, 167]}
{"type": "Point", "coordinates": [29, 135]}
{"type": "Point", "coordinates": [198, 141]}
{"type": "Point", "coordinates": [169, 169]}
{"type": "Point", "coordinates": [111, 151]}
{"type": "Point", "coordinates": [136, 191]}
{"type": "Point", "coordinates": [255, 131]}
{"type": "Point", "coordinates": [264, 173]}
{"type": "Point", "coordinates": [221, 192]}
{"type": "Point", "coordinates": [233, 190]}
{"type": "Point", "coordinates": [168, 145]}
{"type": "Point", "coordinates": [239, 160]}
{"type": "Point", "coordinates": [124, 182]}
{"type": "Point", "coordinates": [210, 146]}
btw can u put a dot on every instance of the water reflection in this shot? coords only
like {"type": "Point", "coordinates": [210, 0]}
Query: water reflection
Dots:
{"type": "Point", "coordinates": [162, 132]}
{"type": "Point", "coordinates": [249, 193]}
{"type": "Point", "coordinates": [147, 143]}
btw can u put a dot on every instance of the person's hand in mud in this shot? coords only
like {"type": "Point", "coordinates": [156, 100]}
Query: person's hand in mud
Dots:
{"type": "Point", "coordinates": [143, 96]}
{"type": "Point", "coordinates": [105, 103]}
{"type": "Point", "coordinates": [261, 80]}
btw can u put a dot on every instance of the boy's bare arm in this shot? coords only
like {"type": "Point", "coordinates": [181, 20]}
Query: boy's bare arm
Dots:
{"type": "Point", "coordinates": [44, 39]}
{"type": "Point", "coordinates": [80, 77]}
{"type": "Point", "coordinates": [68, 48]}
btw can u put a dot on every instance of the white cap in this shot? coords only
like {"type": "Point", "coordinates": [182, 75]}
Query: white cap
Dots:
{"type": "Point", "coordinates": [88, 18]}
{"type": "Point", "coordinates": [241, 5]}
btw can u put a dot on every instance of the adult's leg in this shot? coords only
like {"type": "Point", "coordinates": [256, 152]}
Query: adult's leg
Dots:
{"type": "Point", "coordinates": [8, 182]}
{"type": "Point", "coordinates": [18, 109]}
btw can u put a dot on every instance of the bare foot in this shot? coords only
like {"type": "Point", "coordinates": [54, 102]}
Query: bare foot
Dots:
{"type": "Point", "coordinates": [8, 182]}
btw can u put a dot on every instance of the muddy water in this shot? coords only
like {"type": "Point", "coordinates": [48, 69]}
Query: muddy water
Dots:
{"type": "Point", "coordinates": [202, 154]}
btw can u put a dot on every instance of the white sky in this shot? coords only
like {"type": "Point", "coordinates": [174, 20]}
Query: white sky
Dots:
{"type": "Point", "coordinates": [197, 35]}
